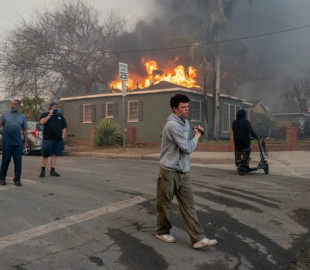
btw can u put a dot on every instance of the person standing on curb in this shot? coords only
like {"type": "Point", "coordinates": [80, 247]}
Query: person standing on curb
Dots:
{"type": "Point", "coordinates": [14, 126]}
{"type": "Point", "coordinates": [54, 133]}
{"type": "Point", "coordinates": [174, 176]}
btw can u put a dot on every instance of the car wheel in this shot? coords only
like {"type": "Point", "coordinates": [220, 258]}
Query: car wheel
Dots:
{"type": "Point", "coordinates": [27, 150]}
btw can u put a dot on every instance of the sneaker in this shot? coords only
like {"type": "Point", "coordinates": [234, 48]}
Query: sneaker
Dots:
{"type": "Point", "coordinates": [2, 182]}
{"type": "Point", "coordinates": [205, 242]}
{"type": "Point", "coordinates": [54, 173]}
{"type": "Point", "coordinates": [42, 174]}
{"type": "Point", "coordinates": [166, 238]}
{"type": "Point", "coordinates": [17, 183]}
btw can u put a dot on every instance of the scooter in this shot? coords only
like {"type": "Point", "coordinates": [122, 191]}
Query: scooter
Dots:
{"type": "Point", "coordinates": [243, 167]}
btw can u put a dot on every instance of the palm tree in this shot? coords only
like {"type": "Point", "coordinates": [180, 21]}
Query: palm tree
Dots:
{"type": "Point", "coordinates": [205, 24]}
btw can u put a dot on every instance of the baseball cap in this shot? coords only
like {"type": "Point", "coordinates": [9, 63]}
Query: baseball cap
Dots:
{"type": "Point", "coordinates": [52, 104]}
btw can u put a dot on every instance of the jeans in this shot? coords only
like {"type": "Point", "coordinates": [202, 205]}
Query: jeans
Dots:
{"type": "Point", "coordinates": [172, 183]}
{"type": "Point", "coordinates": [9, 151]}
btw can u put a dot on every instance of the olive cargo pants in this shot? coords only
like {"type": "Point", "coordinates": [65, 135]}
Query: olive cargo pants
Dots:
{"type": "Point", "coordinates": [172, 183]}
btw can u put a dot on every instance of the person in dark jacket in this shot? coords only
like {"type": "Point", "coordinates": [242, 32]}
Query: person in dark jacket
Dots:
{"type": "Point", "coordinates": [242, 130]}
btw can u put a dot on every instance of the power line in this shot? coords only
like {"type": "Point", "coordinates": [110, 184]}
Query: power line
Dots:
{"type": "Point", "coordinates": [215, 42]}
{"type": "Point", "coordinates": [195, 44]}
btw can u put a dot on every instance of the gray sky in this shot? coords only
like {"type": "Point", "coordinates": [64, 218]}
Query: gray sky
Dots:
{"type": "Point", "coordinates": [12, 11]}
{"type": "Point", "coordinates": [284, 54]}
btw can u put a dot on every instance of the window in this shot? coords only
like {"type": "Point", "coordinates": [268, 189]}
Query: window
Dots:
{"type": "Point", "coordinates": [110, 110]}
{"type": "Point", "coordinates": [226, 126]}
{"type": "Point", "coordinates": [195, 110]}
{"type": "Point", "coordinates": [88, 113]}
{"type": "Point", "coordinates": [133, 111]}
{"type": "Point", "coordinates": [229, 115]}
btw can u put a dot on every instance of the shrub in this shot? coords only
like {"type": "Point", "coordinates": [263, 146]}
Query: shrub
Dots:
{"type": "Point", "coordinates": [108, 133]}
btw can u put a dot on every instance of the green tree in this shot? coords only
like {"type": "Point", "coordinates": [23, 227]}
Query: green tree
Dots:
{"type": "Point", "coordinates": [108, 133]}
{"type": "Point", "coordinates": [265, 126]}
{"type": "Point", "coordinates": [32, 108]}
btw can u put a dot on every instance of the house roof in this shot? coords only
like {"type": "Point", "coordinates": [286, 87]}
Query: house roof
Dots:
{"type": "Point", "coordinates": [292, 114]}
{"type": "Point", "coordinates": [157, 88]}
{"type": "Point", "coordinates": [167, 85]}
{"type": "Point", "coordinates": [257, 103]}
{"type": "Point", "coordinates": [133, 92]}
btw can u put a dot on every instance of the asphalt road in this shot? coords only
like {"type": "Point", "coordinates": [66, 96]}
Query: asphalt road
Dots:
{"type": "Point", "coordinates": [100, 214]}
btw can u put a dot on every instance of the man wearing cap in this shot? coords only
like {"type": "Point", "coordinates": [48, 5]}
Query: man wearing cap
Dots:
{"type": "Point", "coordinates": [54, 132]}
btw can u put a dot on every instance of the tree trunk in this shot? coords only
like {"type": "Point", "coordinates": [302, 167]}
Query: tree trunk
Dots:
{"type": "Point", "coordinates": [216, 94]}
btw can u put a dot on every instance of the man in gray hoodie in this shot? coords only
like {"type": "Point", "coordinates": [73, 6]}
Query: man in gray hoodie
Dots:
{"type": "Point", "coordinates": [174, 176]}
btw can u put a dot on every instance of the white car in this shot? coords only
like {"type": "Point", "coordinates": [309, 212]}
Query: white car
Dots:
{"type": "Point", "coordinates": [35, 137]}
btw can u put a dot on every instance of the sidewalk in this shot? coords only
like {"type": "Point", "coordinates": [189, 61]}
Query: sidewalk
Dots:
{"type": "Point", "coordinates": [287, 163]}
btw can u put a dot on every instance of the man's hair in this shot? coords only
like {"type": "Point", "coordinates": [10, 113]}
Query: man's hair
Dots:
{"type": "Point", "coordinates": [17, 100]}
{"type": "Point", "coordinates": [177, 99]}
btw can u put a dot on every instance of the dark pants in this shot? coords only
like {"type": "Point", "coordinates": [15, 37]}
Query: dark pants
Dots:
{"type": "Point", "coordinates": [9, 151]}
{"type": "Point", "coordinates": [170, 184]}
{"type": "Point", "coordinates": [242, 157]}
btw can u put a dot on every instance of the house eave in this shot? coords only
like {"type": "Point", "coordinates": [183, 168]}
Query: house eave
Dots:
{"type": "Point", "coordinates": [129, 93]}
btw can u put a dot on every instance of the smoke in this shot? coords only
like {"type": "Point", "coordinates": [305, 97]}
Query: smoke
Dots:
{"type": "Point", "coordinates": [150, 38]}
{"type": "Point", "coordinates": [279, 55]}
{"type": "Point", "coordinates": [262, 63]}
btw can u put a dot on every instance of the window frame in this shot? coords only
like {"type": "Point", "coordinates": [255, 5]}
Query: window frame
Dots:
{"type": "Point", "coordinates": [196, 111]}
{"type": "Point", "coordinates": [231, 109]}
{"type": "Point", "coordinates": [107, 115]}
{"type": "Point", "coordinates": [129, 113]}
{"type": "Point", "coordinates": [87, 121]}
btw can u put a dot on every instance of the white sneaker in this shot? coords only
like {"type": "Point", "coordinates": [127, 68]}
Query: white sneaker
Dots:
{"type": "Point", "coordinates": [166, 238]}
{"type": "Point", "coordinates": [205, 242]}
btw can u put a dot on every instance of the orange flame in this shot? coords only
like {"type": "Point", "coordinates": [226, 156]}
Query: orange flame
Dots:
{"type": "Point", "coordinates": [177, 75]}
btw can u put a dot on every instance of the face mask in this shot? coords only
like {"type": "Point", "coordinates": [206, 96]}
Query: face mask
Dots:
{"type": "Point", "coordinates": [55, 111]}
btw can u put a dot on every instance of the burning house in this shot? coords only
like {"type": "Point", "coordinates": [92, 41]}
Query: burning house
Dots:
{"type": "Point", "coordinates": [146, 105]}
{"type": "Point", "coordinates": [146, 111]}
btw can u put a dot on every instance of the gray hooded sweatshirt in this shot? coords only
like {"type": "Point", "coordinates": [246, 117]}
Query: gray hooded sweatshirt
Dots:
{"type": "Point", "coordinates": [176, 146]}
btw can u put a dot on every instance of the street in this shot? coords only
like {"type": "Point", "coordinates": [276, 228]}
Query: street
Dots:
{"type": "Point", "coordinates": [100, 214]}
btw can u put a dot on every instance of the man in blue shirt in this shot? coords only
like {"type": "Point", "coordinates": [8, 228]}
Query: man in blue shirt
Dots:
{"type": "Point", "coordinates": [14, 125]}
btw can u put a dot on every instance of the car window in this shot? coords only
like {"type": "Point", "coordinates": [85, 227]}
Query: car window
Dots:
{"type": "Point", "coordinates": [39, 127]}
{"type": "Point", "coordinates": [34, 125]}
{"type": "Point", "coordinates": [31, 125]}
